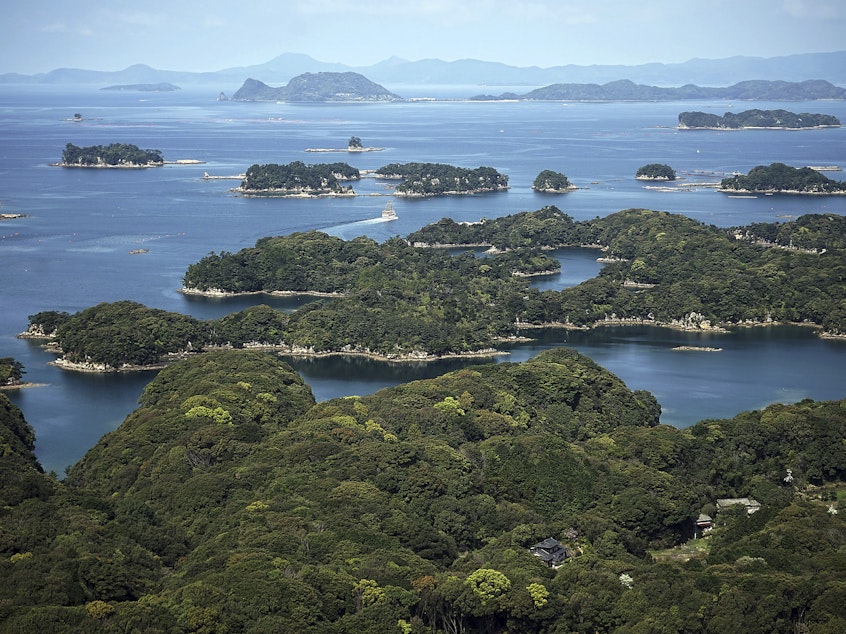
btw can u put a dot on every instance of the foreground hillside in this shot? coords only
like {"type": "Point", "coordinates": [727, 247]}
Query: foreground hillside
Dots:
{"type": "Point", "coordinates": [231, 502]}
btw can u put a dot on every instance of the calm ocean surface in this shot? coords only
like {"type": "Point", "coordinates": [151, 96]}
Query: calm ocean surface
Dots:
{"type": "Point", "coordinates": [72, 249]}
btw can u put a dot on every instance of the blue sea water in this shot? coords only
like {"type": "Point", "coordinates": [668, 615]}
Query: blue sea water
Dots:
{"type": "Point", "coordinates": [73, 249]}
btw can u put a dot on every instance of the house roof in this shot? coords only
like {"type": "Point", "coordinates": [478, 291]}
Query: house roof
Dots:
{"type": "Point", "coordinates": [548, 544]}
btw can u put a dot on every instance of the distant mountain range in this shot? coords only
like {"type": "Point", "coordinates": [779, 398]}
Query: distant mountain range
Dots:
{"type": "Point", "coordinates": [395, 72]}
{"type": "Point", "coordinates": [625, 90]}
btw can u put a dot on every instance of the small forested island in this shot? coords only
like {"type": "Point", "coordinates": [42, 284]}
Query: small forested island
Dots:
{"type": "Point", "coordinates": [317, 87]}
{"type": "Point", "coordinates": [540, 496]}
{"type": "Point", "coordinates": [551, 182]}
{"type": "Point", "coordinates": [656, 172]}
{"type": "Point", "coordinates": [298, 179]}
{"type": "Point", "coordinates": [159, 87]}
{"type": "Point", "coordinates": [123, 155]}
{"type": "Point", "coordinates": [438, 179]}
{"type": "Point", "coordinates": [353, 145]}
{"type": "Point", "coordinates": [778, 178]}
{"type": "Point", "coordinates": [778, 119]}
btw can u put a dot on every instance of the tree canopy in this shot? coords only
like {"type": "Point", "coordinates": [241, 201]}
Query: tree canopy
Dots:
{"type": "Point", "coordinates": [231, 501]}
{"type": "Point", "coordinates": [114, 155]}
{"type": "Point", "coordinates": [553, 182]}
{"type": "Point", "coordinates": [298, 178]}
{"type": "Point", "coordinates": [778, 177]}
{"type": "Point", "coordinates": [436, 179]}
{"type": "Point", "coordinates": [756, 119]}
{"type": "Point", "coordinates": [656, 171]}
{"type": "Point", "coordinates": [401, 299]}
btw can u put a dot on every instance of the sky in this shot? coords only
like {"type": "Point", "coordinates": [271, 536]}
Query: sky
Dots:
{"type": "Point", "coordinates": [189, 35]}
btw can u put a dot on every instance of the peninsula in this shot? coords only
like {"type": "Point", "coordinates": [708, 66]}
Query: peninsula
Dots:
{"type": "Point", "coordinates": [116, 155]}
{"type": "Point", "coordinates": [770, 119]}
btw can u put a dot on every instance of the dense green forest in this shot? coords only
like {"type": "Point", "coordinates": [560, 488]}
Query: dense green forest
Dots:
{"type": "Point", "coordinates": [114, 155]}
{"type": "Point", "coordinates": [437, 179]}
{"type": "Point", "coordinates": [778, 177]}
{"type": "Point", "coordinates": [756, 119]}
{"type": "Point", "coordinates": [125, 333]}
{"type": "Point", "coordinates": [552, 182]}
{"type": "Point", "coordinates": [298, 178]}
{"type": "Point", "coordinates": [656, 171]}
{"type": "Point", "coordinates": [230, 501]}
{"type": "Point", "coordinates": [676, 266]}
{"type": "Point", "coordinates": [401, 300]}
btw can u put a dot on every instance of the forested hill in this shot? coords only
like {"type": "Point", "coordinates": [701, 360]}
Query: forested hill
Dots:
{"type": "Point", "coordinates": [326, 86]}
{"type": "Point", "coordinates": [231, 502]}
{"type": "Point", "coordinates": [626, 90]}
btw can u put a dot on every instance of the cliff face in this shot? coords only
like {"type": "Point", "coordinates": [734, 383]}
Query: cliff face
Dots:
{"type": "Point", "coordinates": [317, 87]}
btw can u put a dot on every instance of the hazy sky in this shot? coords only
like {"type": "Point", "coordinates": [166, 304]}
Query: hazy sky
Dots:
{"type": "Point", "coordinates": [40, 35]}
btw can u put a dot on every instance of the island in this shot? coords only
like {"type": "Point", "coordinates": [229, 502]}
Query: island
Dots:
{"type": "Point", "coordinates": [656, 172]}
{"type": "Point", "coordinates": [661, 269]}
{"type": "Point", "coordinates": [317, 87]}
{"type": "Point", "coordinates": [771, 119]}
{"type": "Point", "coordinates": [438, 179]}
{"type": "Point", "coordinates": [778, 178]}
{"type": "Point", "coordinates": [296, 179]}
{"type": "Point", "coordinates": [403, 300]}
{"type": "Point", "coordinates": [626, 90]}
{"type": "Point", "coordinates": [116, 155]}
{"type": "Point", "coordinates": [551, 182]}
{"type": "Point", "coordinates": [353, 145]}
{"type": "Point", "coordinates": [159, 87]}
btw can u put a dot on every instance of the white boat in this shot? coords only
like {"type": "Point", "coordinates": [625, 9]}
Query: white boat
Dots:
{"type": "Point", "coordinates": [388, 212]}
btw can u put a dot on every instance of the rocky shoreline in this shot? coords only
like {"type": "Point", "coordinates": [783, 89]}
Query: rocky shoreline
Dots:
{"type": "Point", "coordinates": [216, 292]}
{"type": "Point", "coordinates": [98, 166]}
{"type": "Point", "coordinates": [345, 149]}
{"type": "Point", "coordinates": [769, 192]}
{"type": "Point", "coordinates": [754, 127]}
{"type": "Point", "coordinates": [287, 193]}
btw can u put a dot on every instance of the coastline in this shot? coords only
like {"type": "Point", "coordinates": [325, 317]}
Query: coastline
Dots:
{"type": "Point", "coordinates": [473, 192]}
{"type": "Point", "coordinates": [19, 386]}
{"type": "Point", "coordinates": [287, 350]}
{"type": "Point", "coordinates": [770, 192]}
{"type": "Point", "coordinates": [99, 166]}
{"type": "Point", "coordinates": [344, 149]}
{"type": "Point", "coordinates": [755, 127]}
{"type": "Point", "coordinates": [553, 190]}
{"type": "Point", "coordinates": [286, 193]}
{"type": "Point", "coordinates": [216, 292]}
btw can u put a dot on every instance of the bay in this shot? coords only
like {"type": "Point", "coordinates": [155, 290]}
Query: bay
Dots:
{"type": "Point", "coordinates": [72, 250]}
